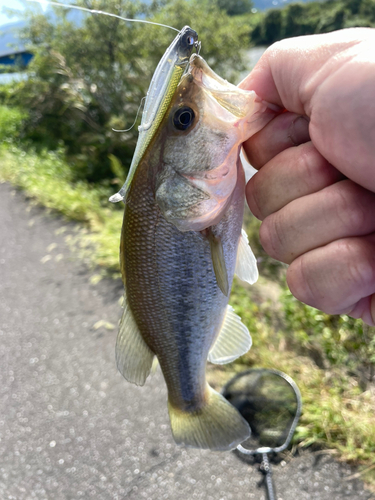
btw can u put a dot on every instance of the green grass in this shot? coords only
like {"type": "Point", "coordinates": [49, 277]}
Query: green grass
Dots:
{"type": "Point", "coordinates": [46, 178]}
{"type": "Point", "coordinates": [330, 358]}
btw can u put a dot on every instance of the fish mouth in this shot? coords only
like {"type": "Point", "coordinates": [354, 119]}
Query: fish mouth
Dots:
{"type": "Point", "coordinates": [202, 72]}
{"type": "Point", "coordinates": [238, 102]}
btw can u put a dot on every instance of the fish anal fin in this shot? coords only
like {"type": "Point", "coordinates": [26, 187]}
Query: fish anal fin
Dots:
{"type": "Point", "coordinates": [233, 341]}
{"type": "Point", "coordinates": [216, 426]}
{"type": "Point", "coordinates": [218, 262]}
{"type": "Point", "coordinates": [246, 264]}
{"type": "Point", "coordinates": [134, 358]}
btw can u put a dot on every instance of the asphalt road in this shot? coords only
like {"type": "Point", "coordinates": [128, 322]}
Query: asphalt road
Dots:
{"type": "Point", "coordinates": [71, 427]}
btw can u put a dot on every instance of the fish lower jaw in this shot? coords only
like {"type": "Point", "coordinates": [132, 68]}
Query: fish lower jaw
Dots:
{"type": "Point", "coordinates": [200, 222]}
{"type": "Point", "coordinates": [185, 225]}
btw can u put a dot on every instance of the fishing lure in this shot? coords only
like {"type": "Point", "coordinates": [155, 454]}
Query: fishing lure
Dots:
{"type": "Point", "coordinates": [162, 88]}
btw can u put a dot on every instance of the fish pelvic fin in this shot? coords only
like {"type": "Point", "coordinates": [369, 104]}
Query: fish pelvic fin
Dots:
{"type": "Point", "coordinates": [134, 358]}
{"type": "Point", "coordinates": [218, 262]}
{"type": "Point", "coordinates": [217, 426]}
{"type": "Point", "coordinates": [233, 340]}
{"type": "Point", "coordinates": [246, 264]}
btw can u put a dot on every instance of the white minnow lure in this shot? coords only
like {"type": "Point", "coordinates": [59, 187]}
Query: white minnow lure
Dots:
{"type": "Point", "coordinates": [160, 93]}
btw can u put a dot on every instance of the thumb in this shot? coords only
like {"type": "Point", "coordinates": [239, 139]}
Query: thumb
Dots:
{"type": "Point", "coordinates": [328, 78]}
{"type": "Point", "coordinates": [290, 71]}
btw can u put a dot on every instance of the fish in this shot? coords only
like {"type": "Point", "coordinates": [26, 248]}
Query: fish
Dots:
{"type": "Point", "coordinates": [181, 243]}
{"type": "Point", "coordinates": [182, 240]}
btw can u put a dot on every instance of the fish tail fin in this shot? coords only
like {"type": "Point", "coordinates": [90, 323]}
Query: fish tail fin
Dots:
{"type": "Point", "coordinates": [215, 426]}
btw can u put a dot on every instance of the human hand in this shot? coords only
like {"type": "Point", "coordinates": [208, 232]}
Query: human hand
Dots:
{"type": "Point", "coordinates": [315, 189]}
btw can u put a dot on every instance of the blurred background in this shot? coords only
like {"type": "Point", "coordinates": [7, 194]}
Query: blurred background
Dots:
{"type": "Point", "coordinates": [68, 78]}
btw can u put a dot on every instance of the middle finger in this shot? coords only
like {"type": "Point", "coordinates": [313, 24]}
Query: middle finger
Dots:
{"type": "Point", "coordinates": [293, 173]}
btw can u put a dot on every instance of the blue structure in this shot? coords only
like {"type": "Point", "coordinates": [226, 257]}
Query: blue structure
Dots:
{"type": "Point", "coordinates": [12, 51]}
{"type": "Point", "coordinates": [19, 58]}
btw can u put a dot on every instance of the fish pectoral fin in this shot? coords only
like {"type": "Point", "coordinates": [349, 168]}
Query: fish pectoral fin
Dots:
{"type": "Point", "coordinates": [218, 262]}
{"type": "Point", "coordinates": [246, 264]}
{"type": "Point", "coordinates": [233, 341]}
{"type": "Point", "coordinates": [134, 358]}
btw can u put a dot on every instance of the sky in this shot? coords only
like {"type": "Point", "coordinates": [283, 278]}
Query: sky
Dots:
{"type": "Point", "coordinates": [12, 4]}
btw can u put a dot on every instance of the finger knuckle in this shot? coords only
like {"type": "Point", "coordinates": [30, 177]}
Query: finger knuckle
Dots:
{"type": "Point", "coordinates": [349, 207]}
{"type": "Point", "coordinates": [313, 167]}
{"type": "Point", "coordinates": [271, 237]}
{"type": "Point", "coordinates": [275, 49]}
{"type": "Point", "coordinates": [360, 261]}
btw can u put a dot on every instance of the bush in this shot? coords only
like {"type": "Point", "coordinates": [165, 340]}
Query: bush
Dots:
{"type": "Point", "coordinates": [11, 121]}
{"type": "Point", "coordinates": [297, 19]}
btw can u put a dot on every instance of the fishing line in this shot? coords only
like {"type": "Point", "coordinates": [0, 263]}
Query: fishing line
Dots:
{"type": "Point", "coordinates": [139, 108]}
{"type": "Point", "coordinates": [93, 11]}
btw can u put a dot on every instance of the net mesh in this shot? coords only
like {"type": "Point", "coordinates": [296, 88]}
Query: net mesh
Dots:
{"type": "Point", "coordinates": [267, 402]}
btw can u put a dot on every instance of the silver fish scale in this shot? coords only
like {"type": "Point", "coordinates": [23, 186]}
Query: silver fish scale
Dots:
{"type": "Point", "coordinates": [194, 305]}
{"type": "Point", "coordinates": [172, 291]}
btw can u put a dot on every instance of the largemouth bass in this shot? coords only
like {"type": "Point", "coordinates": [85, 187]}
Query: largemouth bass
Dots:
{"type": "Point", "coordinates": [181, 244]}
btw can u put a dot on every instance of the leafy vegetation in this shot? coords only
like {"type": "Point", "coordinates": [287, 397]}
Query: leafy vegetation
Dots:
{"type": "Point", "coordinates": [57, 144]}
{"type": "Point", "coordinates": [314, 17]}
{"type": "Point", "coordinates": [235, 7]}
{"type": "Point", "coordinates": [89, 77]}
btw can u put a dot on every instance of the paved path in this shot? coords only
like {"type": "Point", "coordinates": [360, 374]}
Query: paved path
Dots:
{"type": "Point", "coordinates": [71, 427]}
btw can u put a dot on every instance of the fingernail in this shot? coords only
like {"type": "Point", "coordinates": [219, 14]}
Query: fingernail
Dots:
{"type": "Point", "coordinates": [298, 131]}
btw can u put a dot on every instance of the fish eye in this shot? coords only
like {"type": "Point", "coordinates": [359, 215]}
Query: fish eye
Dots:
{"type": "Point", "coordinates": [183, 118]}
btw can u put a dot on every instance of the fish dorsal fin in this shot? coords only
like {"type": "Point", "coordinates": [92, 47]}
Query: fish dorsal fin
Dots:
{"type": "Point", "coordinates": [246, 264]}
{"type": "Point", "coordinates": [218, 262]}
{"type": "Point", "coordinates": [233, 341]}
{"type": "Point", "coordinates": [134, 358]}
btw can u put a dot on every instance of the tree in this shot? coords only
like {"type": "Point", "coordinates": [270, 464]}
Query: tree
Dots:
{"type": "Point", "coordinates": [273, 26]}
{"type": "Point", "coordinates": [235, 7]}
